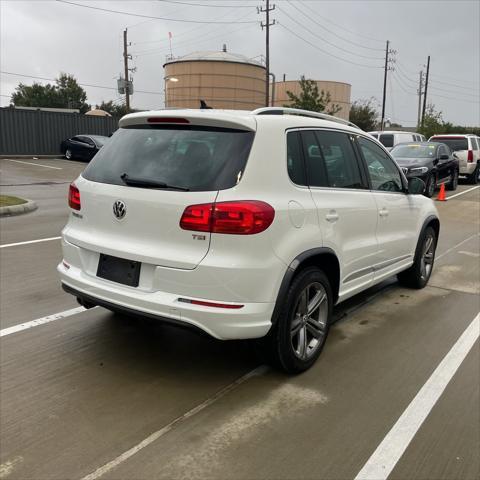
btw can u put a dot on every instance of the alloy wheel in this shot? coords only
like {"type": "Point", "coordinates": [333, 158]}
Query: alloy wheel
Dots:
{"type": "Point", "coordinates": [428, 253]}
{"type": "Point", "coordinates": [68, 154]}
{"type": "Point", "coordinates": [309, 322]}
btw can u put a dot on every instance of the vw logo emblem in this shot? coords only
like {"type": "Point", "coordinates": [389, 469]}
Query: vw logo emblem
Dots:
{"type": "Point", "coordinates": [119, 209]}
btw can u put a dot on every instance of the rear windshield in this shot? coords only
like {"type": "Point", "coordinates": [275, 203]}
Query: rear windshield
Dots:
{"type": "Point", "coordinates": [414, 151]}
{"type": "Point", "coordinates": [386, 140]}
{"type": "Point", "coordinates": [455, 144]}
{"type": "Point", "coordinates": [191, 157]}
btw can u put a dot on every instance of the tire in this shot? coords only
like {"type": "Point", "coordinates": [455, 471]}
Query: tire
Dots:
{"type": "Point", "coordinates": [68, 154]}
{"type": "Point", "coordinates": [430, 185]}
{"type": "Point", "coordinates": [419, 273]}
{"type": "Point", "coordinates": [296, 340]}
{"type": "Point", "coordinates": [475, 176]}
{"type": "Point", "coordinates": [453, 183]}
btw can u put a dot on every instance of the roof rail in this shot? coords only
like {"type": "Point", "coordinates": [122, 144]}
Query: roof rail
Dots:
{"type": "Point", "coordinates": [302, 113]}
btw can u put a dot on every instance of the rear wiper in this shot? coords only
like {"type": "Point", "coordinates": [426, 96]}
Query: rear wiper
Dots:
{"type": "Point", "coordinates": [148, 183]}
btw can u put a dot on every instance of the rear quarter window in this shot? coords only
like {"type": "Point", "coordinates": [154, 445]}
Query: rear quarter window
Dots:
{"type": "Point", "coordinates": [386, 140]}
{"type": "Point", "coordinates": [455, 143]}
{"type": "Point", "coordinates": [191, 157]}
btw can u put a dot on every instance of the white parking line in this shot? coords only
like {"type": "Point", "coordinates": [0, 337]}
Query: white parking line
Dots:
{"type": "Point", "coordinates": [446, 252]}
{"type": "Point", "coordinates": [29, 242]}
{"type": "Point", "coordinates": [40, 321]}
{"type": "Point", "coordinates": [35, 164]}
{"type": "Point", "coordinates": [461, 193]}
{"type": "Point", "coordinates": [164, 430]}
{"type": "Point", "coordinates": [388, 453]}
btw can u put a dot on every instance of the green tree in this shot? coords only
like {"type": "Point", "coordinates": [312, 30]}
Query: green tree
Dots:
{"type": "Point", "coordinates": [35, 95]}
{"type": "Point", "coordinates": [311, 99]}
{"type": "Point", "coordinates": [364, 114]}
{"type": "Point", "coordinates": [70, 93]}
{"type": "Point", "coordinates": [113, 109]}
{"type": "Point", "coordinates": [433, 122]}
{"type": "Point", "coordinates": [66, 93]}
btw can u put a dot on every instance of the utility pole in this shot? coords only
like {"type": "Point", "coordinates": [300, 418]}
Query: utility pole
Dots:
{"type": "Point", "coordinates": [420, 87]}
{"type": "Point", "coordinates": [384, 85]}
{"type": "Point", "coordinates": [267, 26]}
{"type": "Point", "coordinates": [425, 92]}
{"type": "Point", "coordinates": [125, 63]}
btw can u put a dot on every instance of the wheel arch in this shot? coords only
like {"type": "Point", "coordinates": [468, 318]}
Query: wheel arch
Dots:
{"type": "Point", "coordinates": [324, 258]}
{"type": "Point", "coordinates": [431, 221]}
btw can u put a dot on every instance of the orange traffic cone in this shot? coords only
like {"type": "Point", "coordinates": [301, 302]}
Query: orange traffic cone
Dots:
{"type": "Point", "coordinates": [441, 195]}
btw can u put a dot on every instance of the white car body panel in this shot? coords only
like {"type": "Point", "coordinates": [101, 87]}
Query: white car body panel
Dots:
{"type": "Point", "coordinates": [237, 269]}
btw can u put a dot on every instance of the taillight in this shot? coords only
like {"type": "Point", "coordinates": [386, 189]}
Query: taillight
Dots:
{"type": "Point", "coordinates": [470, 156]}
{"type": "Point", "coordinates": [197, 217]}
{"type": "Point", "coordinates": [245, 217]}
{"type": "Point", "coordinates": [74, 197]}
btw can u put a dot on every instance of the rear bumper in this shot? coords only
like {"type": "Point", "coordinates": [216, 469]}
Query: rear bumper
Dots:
{"type": "Point", "coordinates": [468, 168]}
{"type": "Point", "coordinates": [253, 320]}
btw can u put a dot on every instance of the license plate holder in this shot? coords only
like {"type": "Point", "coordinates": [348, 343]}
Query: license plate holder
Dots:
{"type": "Point", "coordinates": [119, 270]}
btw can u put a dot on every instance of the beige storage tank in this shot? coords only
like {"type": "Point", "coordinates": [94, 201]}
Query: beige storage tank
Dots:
{"type": "Point", "coordinates": [339, 92]}
{"type": "Point", "coordinates": [221, 79]}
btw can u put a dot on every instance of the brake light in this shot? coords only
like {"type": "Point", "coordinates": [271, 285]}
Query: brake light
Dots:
{"type": "Point", "coordinates": [245, 217]}
{"type": "Point", "coordinates": [470, 156]}
{"type": "Point", "coordinates": [74, 197]}
{"type": "Point", "coordinates": [167, 120]}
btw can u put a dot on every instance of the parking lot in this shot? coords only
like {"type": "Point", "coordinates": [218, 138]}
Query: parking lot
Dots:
{"type": "Point", "coordinates": [91, 394]}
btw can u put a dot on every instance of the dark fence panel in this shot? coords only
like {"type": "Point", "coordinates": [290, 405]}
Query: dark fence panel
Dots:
{"type": "Point", "coordinates": [34, 132]}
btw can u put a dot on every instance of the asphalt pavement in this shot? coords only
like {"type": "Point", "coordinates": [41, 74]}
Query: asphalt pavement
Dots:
{"type": "Point", "coordinates": [98, 395]}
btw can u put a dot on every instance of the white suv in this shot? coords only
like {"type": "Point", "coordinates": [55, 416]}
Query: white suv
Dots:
{"type": "Point", "coordinates": [244, 224]}
{"type": "Point", "coordinates": [467, 149]}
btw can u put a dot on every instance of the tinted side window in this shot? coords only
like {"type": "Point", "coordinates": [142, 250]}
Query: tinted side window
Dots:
{"type": "Point", "coordinates": [339, 158]}
{"type": "Point", "coordinates": [386, 140]}
{"type": "Point", "coordinates": [295, 164]}
{"type": "Point", "coordinates": [474, 141]}
{"type": "Point", "coordinates": [317, 176]}
{"type": "Point", "coordinates": [441, 151]}
{"type": "Point", "coordinates": [384, 175]}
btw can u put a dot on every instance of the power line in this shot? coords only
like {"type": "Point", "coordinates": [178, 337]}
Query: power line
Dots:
{"type": "Point", "coordinates": [343, 27]}
{"type": "Point", "coordinates": [325, 40]}
{"type": "Point", "coordinates": [402, 86]}
{"type": "Point", "coordinates": [455, 98]}
{"type": "Point", "coordinates": [204, 4]}
{"type": "Point", "coordinates": [326, 52]}
{"type": "Point", "coordinates": [159, 51]}
{"type": "Point", "coordinates": [82, 84]}
{"type": "Point", "coordinates": [131, 14]}
{"type": "Point", "coordinates": [331, 31]}
{"type": "Point", "coordinates": [189, 41]}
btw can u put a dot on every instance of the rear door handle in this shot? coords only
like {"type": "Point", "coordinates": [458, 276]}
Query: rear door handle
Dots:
{"type": "Point", "coordinates": [383, 212]}
{"type": "Point", "coordinates": [332, 216]}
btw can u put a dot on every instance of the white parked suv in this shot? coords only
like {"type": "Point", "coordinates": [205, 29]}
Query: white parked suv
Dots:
{"type": "Point", "coordinates": [245, 225]}
{"type": "Point", "coordinates": [467, 149]}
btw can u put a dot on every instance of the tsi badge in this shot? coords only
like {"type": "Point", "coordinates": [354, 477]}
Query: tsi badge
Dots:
{"type": "Point", "coordinates": [119, 209]}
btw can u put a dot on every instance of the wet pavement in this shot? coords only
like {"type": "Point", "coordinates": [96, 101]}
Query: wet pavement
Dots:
{"type": "Point", "coordinates": [80, 392]}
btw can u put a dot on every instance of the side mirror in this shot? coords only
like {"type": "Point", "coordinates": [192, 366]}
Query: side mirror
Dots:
{"type": "Point", "coordinates": [416, 186]}
{"type": "Point", "coordinates": [455, 155]}
{"type": "Point", "coordinates": [443, 157]}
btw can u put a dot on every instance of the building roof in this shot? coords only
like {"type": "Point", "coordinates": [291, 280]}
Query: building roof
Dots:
{"type": "Point", "coordinates": [215, 56]}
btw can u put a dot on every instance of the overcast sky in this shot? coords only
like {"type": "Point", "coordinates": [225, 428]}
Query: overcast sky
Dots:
{"type": "Point", "coordinates": [42, 38]}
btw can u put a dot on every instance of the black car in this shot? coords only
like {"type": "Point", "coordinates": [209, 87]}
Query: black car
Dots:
{"type": "Point", "coordinates": [433, 162]}
{"type": "Point", "coordinates": [82, 147]}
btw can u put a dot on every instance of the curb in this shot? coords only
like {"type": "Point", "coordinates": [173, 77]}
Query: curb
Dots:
{"type": "Point", "coordinates": [12, 210]}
